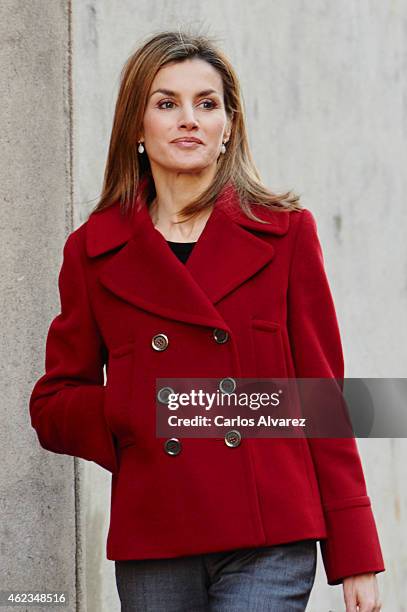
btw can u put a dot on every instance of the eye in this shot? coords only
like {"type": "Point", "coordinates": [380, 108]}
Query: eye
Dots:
{"type": "Point", "coordinates": [211, 102]}
{"type": "Point", "coordinates": [164, 102]}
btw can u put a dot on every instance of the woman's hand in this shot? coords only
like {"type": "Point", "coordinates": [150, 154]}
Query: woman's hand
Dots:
{"type": "Point", "coordinates": [361, 593]}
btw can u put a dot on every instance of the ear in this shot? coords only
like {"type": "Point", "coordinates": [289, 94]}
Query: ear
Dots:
{"type": "Point", "coordinates": [228, 128]}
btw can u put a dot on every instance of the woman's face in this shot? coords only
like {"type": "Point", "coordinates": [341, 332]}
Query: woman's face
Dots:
{"type": "Point", "coordinates": [185, 101]}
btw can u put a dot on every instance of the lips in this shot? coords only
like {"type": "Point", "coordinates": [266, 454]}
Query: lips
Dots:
{"type": "Point", "coordinates": [188, 140]}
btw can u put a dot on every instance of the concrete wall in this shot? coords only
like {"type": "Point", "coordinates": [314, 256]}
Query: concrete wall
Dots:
{"type": "Point", "coordinates": [326, 105]}
{"type": "Point", "coordinates": [37, 505]}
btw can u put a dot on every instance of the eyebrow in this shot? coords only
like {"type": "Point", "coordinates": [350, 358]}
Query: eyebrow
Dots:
{"type": "Point", "coordinates": [169, 92]}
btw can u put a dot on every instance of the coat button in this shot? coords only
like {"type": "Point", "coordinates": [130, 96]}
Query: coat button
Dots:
{"type": "Point", "coordinates": [172, 446]}
{"type": "Point", "coordinates": [233, 438]}
{"type": "Point", "coordinates": [163, 394]}
{"type": "Point", "coordinates": [227, 385]}
{"type": "Point", "coordinates": [159, 342]}
{"type": "Point", "coordinates": [221, 335]}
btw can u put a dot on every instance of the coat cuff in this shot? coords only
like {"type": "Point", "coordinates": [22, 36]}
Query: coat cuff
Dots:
{"type": "Point", "coordinates": [352, 545]}
{"type": "Point", "coordinates": [86, 432]}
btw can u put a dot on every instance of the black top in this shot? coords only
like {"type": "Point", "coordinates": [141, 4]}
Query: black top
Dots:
{"type": "Point", "coordinates": [181, 249]}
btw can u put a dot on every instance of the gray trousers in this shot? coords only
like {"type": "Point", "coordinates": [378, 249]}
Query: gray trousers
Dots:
{"type": "Point", "coordinates": [272, 578]}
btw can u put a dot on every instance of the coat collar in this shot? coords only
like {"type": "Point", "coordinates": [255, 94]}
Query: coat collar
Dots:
{"type": "Point", "coordinates": [146, 273]}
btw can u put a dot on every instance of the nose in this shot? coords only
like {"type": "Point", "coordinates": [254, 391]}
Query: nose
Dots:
{"type": "Point", "coordinates": [188, 119]}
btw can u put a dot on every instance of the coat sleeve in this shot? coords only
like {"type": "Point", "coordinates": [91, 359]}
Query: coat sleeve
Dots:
{"type": "Point", "coordinates": [352, 544]}
{"type": "Point", "coordinates": [67, 403]}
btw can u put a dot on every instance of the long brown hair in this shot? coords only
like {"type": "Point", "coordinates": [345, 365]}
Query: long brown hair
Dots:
{"type": "Point", "coordinates": [125, 167]}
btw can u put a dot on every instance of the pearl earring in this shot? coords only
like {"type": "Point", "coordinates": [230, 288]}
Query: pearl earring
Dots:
{"type": "Point", "coordinates": [223, 148]}
{"type": "Point", "coordinates": [140, 148]}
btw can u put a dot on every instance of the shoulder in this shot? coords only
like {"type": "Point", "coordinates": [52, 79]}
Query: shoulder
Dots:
{"type": "Point", "coordinates": [302, 222]}
{"type": "Point", "coordinates": [285, 221]}
{"type": "Point", "coordinates": [76, 240]}
{"type": "Point", "coordinates": [102, 230]}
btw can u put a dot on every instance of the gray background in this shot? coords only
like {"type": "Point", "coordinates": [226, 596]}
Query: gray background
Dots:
{"type": "Point", "coordinates": [325, 94]}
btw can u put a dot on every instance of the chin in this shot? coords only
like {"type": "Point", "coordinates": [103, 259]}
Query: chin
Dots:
{"type": "Point", "coordinates": [188, 168]}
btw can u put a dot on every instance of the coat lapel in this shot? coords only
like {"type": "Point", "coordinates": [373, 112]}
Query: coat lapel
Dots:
{"type": "Point", "coordinates": [146, 273]}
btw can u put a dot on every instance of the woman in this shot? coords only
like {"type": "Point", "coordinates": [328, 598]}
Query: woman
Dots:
{"type": "Point", "coordinates": [190, 267]}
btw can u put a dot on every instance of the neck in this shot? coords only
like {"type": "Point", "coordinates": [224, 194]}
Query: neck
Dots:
{"type": "Point", "coordinates": [170, 199]}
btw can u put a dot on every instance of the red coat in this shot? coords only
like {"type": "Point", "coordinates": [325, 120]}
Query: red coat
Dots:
{"type": "Point", "coordinates": [120, 285]}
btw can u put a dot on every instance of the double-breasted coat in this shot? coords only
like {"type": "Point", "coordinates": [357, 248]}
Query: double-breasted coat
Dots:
{"type": "Point", "coordinates": [265, 286]}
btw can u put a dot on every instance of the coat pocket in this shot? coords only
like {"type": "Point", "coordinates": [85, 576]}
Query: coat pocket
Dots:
{"type": "Point", "coordinates": [310, 468]}
{"type": "Point", "coordinates": [269, 354]}
{"type": "Point", "coordinates": [120, 389]}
